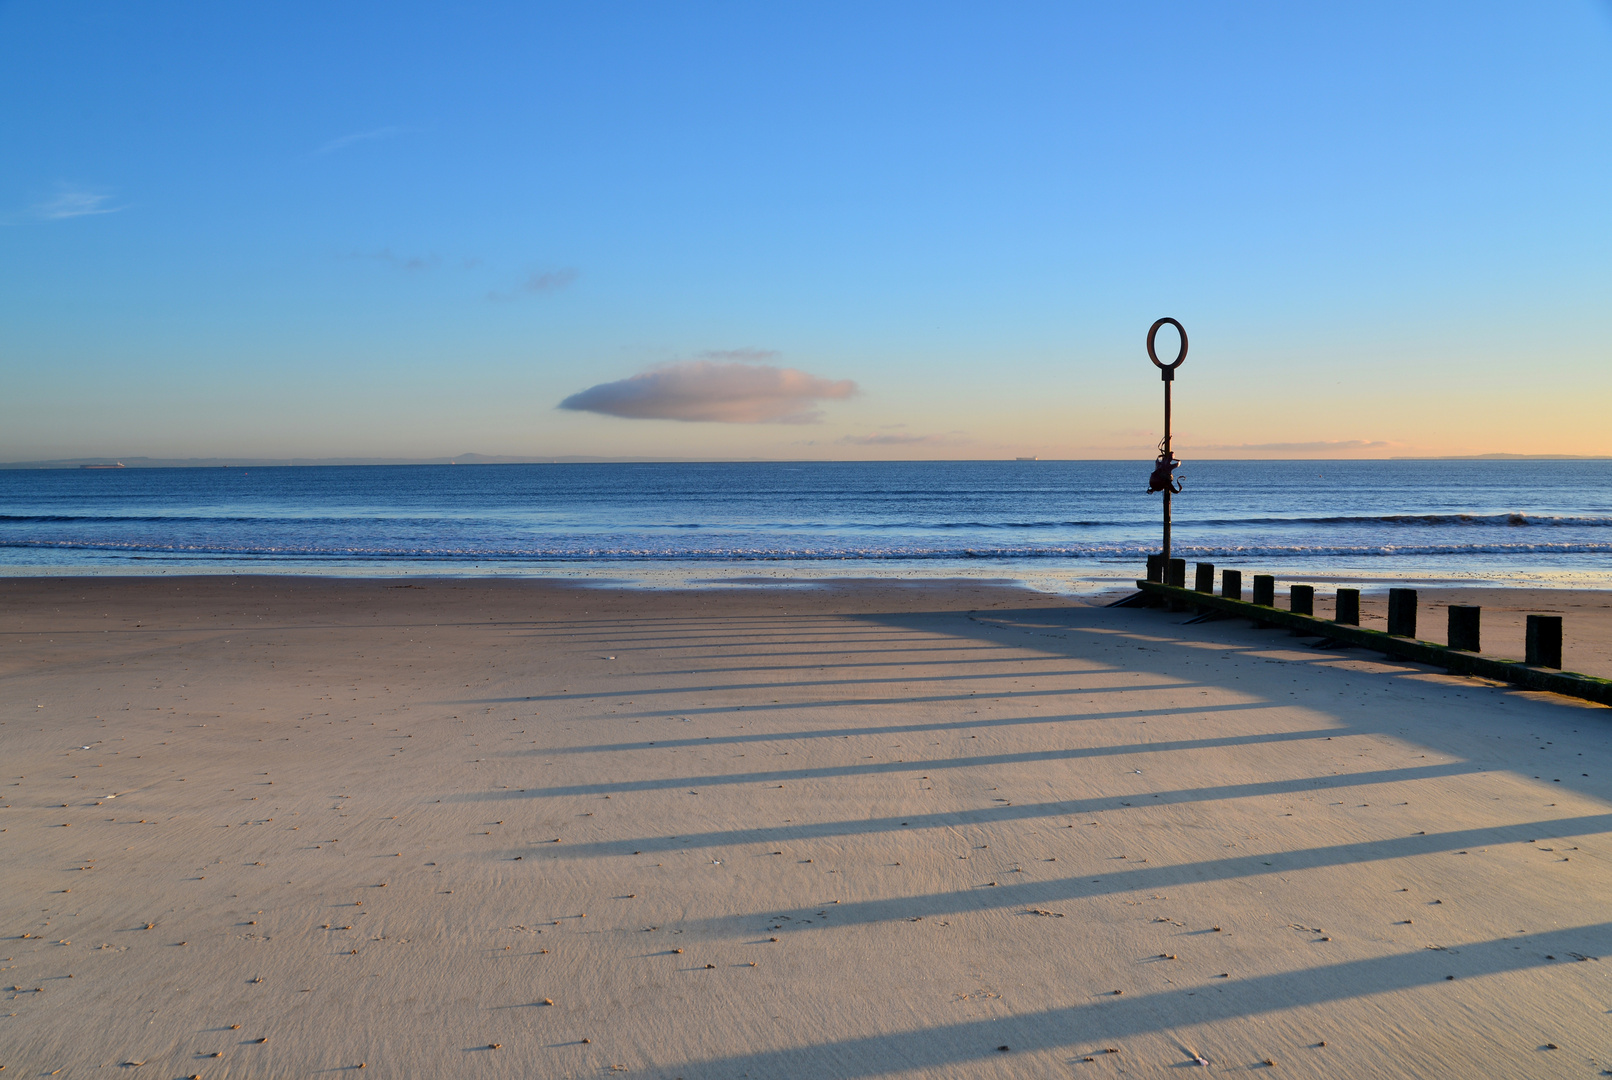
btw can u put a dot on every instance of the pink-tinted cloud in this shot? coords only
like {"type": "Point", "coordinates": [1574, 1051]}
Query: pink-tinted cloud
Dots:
{"type": "Point", "coordinates": [707, 390]}
{"type": "Point", "coordinates": [896, 439]}
{"type": "Point", "coordinates": [1296, 447]}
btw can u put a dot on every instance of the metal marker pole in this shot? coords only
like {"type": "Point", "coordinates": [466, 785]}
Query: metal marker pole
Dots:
{"type": "Point", "coordinates": [1168, 382]}
{"type": "Point", "coordinates": [1162, 479]}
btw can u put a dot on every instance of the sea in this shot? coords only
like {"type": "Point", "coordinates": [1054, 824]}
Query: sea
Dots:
{"type": "Point", "coordinates": [1064, 526]}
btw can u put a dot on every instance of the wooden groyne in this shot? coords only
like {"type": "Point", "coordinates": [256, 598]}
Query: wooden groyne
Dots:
{"type": "Point", "coordinates": [1540, 670]}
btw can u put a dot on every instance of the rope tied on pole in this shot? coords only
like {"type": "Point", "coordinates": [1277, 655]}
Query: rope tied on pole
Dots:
{"type": "Point", "coordinates": [1162, 478]}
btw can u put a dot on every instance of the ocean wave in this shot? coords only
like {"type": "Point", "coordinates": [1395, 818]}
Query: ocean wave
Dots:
{"type": "Point", "coordinates": [1511, 520]}
{"type": "Point", "coordinates": [761, 552]}
{"type": "Point", "coordinates": [294, 519]}
{"type": "Point", "coordinates": [404, 518]}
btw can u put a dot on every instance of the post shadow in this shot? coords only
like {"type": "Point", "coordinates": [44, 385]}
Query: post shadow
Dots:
{"type": "Point", "coordinates": [1071, 1027]}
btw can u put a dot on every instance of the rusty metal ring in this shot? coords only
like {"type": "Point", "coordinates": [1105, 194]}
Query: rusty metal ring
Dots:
{"type": "Point", "coordinates": [1153, 356]}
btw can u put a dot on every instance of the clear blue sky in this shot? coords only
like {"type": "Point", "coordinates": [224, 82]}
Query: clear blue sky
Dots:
{"type": "Point", "coordinates": [407, 230]}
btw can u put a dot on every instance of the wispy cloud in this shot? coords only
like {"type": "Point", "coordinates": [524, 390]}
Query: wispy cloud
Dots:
{"type": "Point", "coordinates": [1297, 447]}
{"type": "Point", "coordinates": [72, 202]}
{"type": "Point", "coordinates": [541, 281]}
{"type": "Point", "coordinates": [891, 439]}
{"type": "Point", "coordinates": [709, 390]}
{"type": "Point", "coordinates": [410, 263]}
{"type": "Point", "coordinates": [345, 141]}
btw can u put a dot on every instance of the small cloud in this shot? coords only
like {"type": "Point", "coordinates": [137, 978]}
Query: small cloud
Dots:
{"type": "Point", "coordinates": [897, 439]}
{"type": "Point", "coordinates": [357, 137]}
{"type": "Point", "coordinates": [706, 390]}
{"type": "Point", "coordinates": [549, 280]}
{"type": "Point", "coordinates": [541, 281]}
{"type": "Point", "coordinates": [410, 263]}
{"type": "Point", "coordinates": [1297, 447]}
{"type": "Point", "coordinates": [74, 202]}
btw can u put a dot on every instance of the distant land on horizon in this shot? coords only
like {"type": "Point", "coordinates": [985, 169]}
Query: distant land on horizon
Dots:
{"type": "Point", "coordinates": [1501, 457]}
{"type": "Point", "coordinates": [494, 459]}
{"type": "Point", "coordinates": [261, 463]}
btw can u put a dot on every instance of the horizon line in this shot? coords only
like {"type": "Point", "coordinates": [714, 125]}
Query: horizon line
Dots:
{"type": "Point", "coordinates": [141, 462]}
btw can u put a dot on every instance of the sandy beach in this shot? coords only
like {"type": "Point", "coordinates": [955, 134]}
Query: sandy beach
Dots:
{"type": "Point", "coordinates": [262, 827]}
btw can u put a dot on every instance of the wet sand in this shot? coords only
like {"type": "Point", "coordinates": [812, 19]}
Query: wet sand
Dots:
{"type": "Point", "coordinates": [286, 827]}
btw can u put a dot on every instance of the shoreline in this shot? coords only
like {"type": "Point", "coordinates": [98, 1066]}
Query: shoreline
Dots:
{"type": "Point", "coordinates": [1090, 581]}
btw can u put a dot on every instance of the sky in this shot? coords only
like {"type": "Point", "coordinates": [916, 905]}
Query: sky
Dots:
{"type": "Point", "coordinates": [821, 231]}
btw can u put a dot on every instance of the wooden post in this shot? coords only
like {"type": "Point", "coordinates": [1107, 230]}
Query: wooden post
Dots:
{"type": "Point", "coordinates": [1348, 611]}
{"type": "Point", "coordinates": [1206, 578]}
{"type": "Point", "coordinates": [1175, 573]}
{"type": "Point", "coordinates": [1302, 599]}
{"type": "Point", "coordinates": [1265, 590]}
{"type": "Point", "coordinates": [1231, 584]}
{"type": "Point", "coordinates": [1155, 568]}
{"type": "Point", "coordinates": [1464, 628]}
{"type": "Point", "coordinates": [1402, 612]}
{"type": "Point", "coordinates": [1544, 644]}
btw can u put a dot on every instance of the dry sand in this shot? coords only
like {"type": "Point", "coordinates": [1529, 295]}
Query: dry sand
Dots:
{"type": "Point", "coordinates": [263, 828]}
{"type": "Point", "coordinates": [1586, 618]}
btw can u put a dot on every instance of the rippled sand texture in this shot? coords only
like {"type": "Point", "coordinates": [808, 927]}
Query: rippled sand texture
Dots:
{"type": "Point", "coordinates": [293, 827]}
